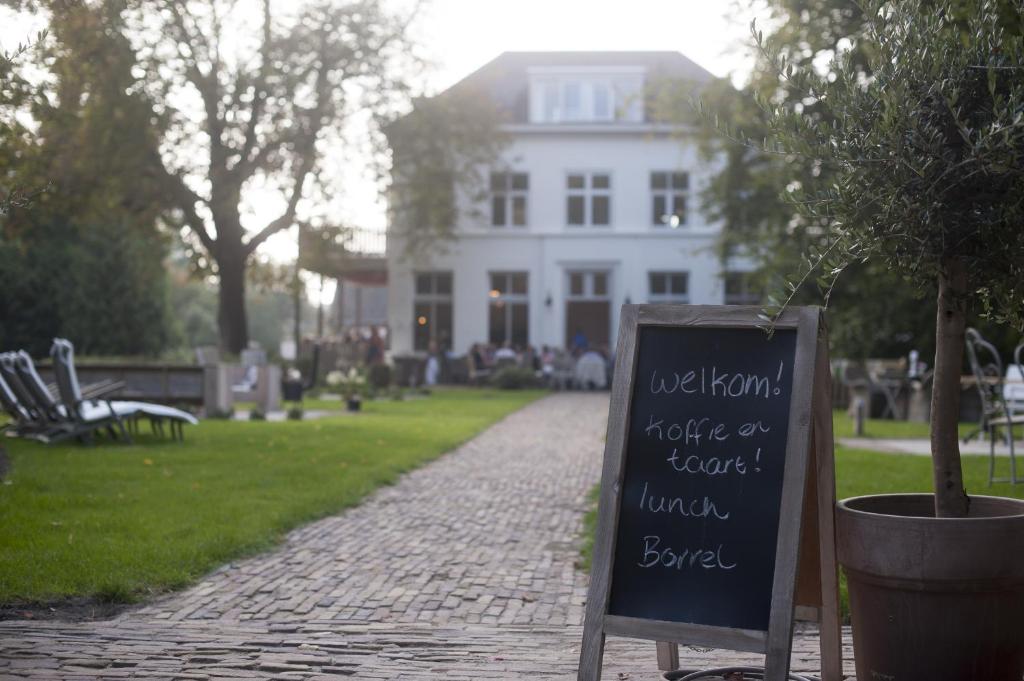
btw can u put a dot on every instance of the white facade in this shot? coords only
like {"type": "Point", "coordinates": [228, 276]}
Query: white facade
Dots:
{"type": "Point", "coordinates": [629, 259]}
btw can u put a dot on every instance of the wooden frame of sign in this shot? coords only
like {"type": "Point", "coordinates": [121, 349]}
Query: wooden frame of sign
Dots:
{"type": "Point", "coordinates": [804, 582]}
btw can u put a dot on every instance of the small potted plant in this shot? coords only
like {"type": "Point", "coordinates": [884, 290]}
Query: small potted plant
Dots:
{"type": "Point", "coordinates": [926, 152]}
{"type": "Point", "coordinates": [351, 384]}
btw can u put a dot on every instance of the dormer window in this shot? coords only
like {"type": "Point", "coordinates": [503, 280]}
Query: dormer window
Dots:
{"type": "Point", "coordinates": [584, 95]}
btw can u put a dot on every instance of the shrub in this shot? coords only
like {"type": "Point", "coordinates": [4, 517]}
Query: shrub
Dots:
{"type": "Point", "coordinates": [295, 412]}
{"type": "Point", "coordinates": [515, 378]}
{"type": "Point", "coordinates": [221, 414]}
{"type": "Point", "coordinates": [380, 376]}
{"type": "Point", "coordinates": [257, 415]}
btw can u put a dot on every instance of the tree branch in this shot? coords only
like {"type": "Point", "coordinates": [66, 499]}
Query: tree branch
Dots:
{"type": "Point", "coordinates": [286, 219]}
{"type": "Point", "coordinates": [206, 83]}
{"type": "Point", "coordinates": [246, 166]}
{"type": "Point", "coordinates": [186, 200]}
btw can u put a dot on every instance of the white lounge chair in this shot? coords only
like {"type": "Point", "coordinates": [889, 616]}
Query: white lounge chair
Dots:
{"type": "Point", "coordinates": [91, 414]}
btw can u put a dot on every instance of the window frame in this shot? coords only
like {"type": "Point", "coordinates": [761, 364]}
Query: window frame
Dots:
{"type": "Point", "coordinates": [558, 91]}
{"type": "Point", "coordinates": [508, 195]}
{"type": "Point", "coordinates": [588, 280]}
{"type": "Point", "coordinates": [669, 193]}
{"type": "Point", "coordinates": [504, 299]}
{"type": "Point", "coordinates": [433, 299]}
{"type": "Point", "coordinates": [668, 296]}
{"type": "Point", "coordinates": [588, 193]}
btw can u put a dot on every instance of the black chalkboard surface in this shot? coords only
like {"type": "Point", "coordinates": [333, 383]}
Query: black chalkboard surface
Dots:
{"type": "Point", "coordinates": [704, 461]}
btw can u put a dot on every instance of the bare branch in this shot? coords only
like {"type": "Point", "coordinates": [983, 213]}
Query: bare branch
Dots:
{"type": "Point", "coordinates": [246, 165]}
{"type": "Point", "coordinates": [186, 200]}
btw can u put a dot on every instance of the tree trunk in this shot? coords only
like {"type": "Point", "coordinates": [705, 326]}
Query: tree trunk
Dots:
{"type": "Point", "coordinates": [320, 311]}
{"type": "Point", "coordinates": [231, 318]}
{"type": "Point", "coordinates": [297, 310]}
{"type": "Point", "coordinates": [950, 498]}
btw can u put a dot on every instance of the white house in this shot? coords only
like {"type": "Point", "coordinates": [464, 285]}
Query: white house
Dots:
{"type": "Point", "coordinates": [593, 205]}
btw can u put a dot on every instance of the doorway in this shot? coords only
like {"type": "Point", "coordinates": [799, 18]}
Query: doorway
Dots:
{"type": "Point", "coordinates": [588, 308]}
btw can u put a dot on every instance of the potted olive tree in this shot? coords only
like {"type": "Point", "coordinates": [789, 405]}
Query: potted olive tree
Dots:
{"type": "Point", "coordinates": [927, 153]}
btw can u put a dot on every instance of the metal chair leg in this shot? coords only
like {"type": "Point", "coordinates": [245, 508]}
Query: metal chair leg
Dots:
{"type": "Point", "coordinates": [1013, 457]}
{"type": "Point", "coordinates": [991, 458]}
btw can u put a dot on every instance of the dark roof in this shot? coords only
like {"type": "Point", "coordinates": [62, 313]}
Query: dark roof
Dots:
{"type": "Point", "coordinates": [506, 80]}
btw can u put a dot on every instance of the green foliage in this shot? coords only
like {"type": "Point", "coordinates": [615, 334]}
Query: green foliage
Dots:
{"type": "Point", "coordinates": [437, 152]}
{"type": "Point", "coordinates": [132, 520]}
{"type": "Point", "coordinates": [515, 378]}
{"type": "Point", "coordinates": [925, 156]}
{"type": "Point", "coordinates": [86, 259]}
{"type": "Point", "coordinates": [872, 312]}
{"type": "Point", "coordinates": [257, 414]}
{"type": "Point", "coordinates": [589, 529]}
{"type": "Point", "coordinates": [295, 412]}
{"type": "Point", "coordinates": [14, 94]}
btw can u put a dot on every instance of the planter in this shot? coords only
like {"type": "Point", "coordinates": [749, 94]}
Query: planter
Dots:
{"type": "Point", "coordinates": [353, 404]}
{"type": "Point", "coordinates": [934, 599]}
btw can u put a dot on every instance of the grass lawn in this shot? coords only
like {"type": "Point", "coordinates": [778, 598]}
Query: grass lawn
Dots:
{"type": "Point", "coordinates": [116, 522]}
{"type": "Point", "coordinates": [860, 472]}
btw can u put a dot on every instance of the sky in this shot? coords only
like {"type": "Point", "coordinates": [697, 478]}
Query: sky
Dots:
{"type": "Point", "coordinates": [462, 35]}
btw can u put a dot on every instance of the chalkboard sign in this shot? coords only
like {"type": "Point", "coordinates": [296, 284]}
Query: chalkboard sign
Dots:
{"type": "Point", "coordinates": [706, 450]}
{"type": "Point", "coordinates": [704, 490]}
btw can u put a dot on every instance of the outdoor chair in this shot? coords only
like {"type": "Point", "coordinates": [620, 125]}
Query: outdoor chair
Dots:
{"type": "Point", "coordinates": [45, 403]}
{"type": "Point", "coordinates": [474, 375]}
{"type": "Point", "coordinates": [562, 370]}
{"type": "Point", "coordinates": [590, 372]}
{"type": "Point", "coordinates": [987, 368]}
{"type": "Point", "coordinates": [22, 424]}
{"type": "Point", "coordinates": [858, 378]}
{"type": "Point", "coordinates": [91, 414]}
{"type": "Point", "coordinates": [1013, 386]}
{"type": "Point", "coordinates": [31, 419]}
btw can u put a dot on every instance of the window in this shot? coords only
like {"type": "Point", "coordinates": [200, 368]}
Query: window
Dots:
{"type": "Point", "coordinates": [740, 289]}
{"type": "Point", "coordinates": [432, 310]}
{"type": "Point", "coordinates": [508, 313]}
{"type": "Point", "coordinates": [577, 100]}
{"type": "Point", "coordinates": [588, 285]}
{"type": "Point", "coordinates": [669, 192]}
{"type": "Point", "coordinates": [669, 287]}
{"type": "Point", "coordinates": [589, 199]}
{"type": "Point", "coordinates": [508, 199]}
{"type": "Point", "coordinates": [574, 95]}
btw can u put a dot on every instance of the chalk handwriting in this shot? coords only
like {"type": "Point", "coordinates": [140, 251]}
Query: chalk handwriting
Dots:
{"type": "Point", "coordinates": [717, 383]}
{"type": "Point", "coordinates": [699, 557]}
{"type": "Point", "coordinates": [711, 467]}
{"type": "Point", "coordinates": [694, 508]}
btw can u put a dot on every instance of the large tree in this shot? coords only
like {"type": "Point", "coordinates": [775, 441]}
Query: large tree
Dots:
{"type": "Point", "coordinates": [873, 315]}
{"type": "Point", "coordinates": [874, 311]}
{"type": "Point", "coordinates": [927, 164]}
{"type": "Point", "coordinates": [85, 259]}
{"type": "Point", "coordinates": [258, 94]}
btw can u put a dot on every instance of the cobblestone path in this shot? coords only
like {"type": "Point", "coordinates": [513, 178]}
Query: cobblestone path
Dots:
{"type": "Point", "coordinates": [462, 570]}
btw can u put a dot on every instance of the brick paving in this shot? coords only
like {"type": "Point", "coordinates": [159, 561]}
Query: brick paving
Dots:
{"type": "Point", "coordinates": [464, 569]}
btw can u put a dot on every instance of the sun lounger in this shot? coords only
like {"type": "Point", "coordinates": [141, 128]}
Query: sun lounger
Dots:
{"type": "Point", "coordinates": [22, 423]}
{"type": "Point", "coordinates": [87, 412]}
{"type": "Point", "coordinates": [31, 420]}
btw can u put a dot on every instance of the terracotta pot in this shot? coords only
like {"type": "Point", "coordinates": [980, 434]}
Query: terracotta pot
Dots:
{"type": "Point", "coordinates": [931, 598]}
